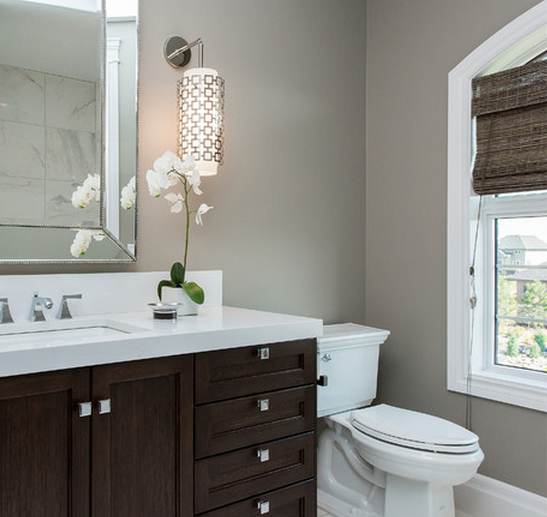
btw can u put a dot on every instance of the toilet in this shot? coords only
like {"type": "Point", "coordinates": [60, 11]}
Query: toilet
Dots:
{"type": "Point", "coordinates": [381, 461]}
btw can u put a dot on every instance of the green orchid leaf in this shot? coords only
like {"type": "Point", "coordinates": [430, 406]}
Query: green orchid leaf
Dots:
{"type": "Point", "coordinates": [165, 283]}
{"type": "Point", "coordinates": [194, 291]}
{"type": "Point", "coordinates": [177, 273]}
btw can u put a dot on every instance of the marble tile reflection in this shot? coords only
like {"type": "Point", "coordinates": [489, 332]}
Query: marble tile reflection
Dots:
{"type": "Point", "coordinates": [70, 104]}
{"type": "Point", "coordinates": [48, 147]}
{"type": "Point", "coordinates": [21, 95]}
{"type": "Point", "coordinates": [22, 200]}
{"type": "Point", "coordinates": [59, 208]}
{"type": "Point", "coordinates": [70, 155]}
{"type": "Point", "coordinates": [22, 150]}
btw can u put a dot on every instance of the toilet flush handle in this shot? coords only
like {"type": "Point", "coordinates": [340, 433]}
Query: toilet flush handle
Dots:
{"type": "Point", "coordinates": [323, 380]}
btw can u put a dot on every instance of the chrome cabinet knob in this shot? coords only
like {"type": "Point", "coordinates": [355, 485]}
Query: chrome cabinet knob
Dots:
{"type": "Point", "coordinates": [263, 404]}
{"type": "Point", "coordinates": [263, 353]}
{"type": "Point", "coordinates": [263, 507]}
{"type": "Point", "coordinates": [263, 455]}
{"type": "Point", "coordinates": [85, 409]}
{"type": "Point", "coordinates": [104, 406]}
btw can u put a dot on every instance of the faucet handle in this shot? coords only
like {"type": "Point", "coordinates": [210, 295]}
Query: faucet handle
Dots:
{"type": "Point", "coordinates": [64, 312]}
{"type": "Point", "coordinates": [5, 315]}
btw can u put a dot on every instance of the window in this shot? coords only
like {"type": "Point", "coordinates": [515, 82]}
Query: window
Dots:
{"type": "Point", "coordinates": [514, 253]}
{"type": "Point", "coordinates": [493, 347]}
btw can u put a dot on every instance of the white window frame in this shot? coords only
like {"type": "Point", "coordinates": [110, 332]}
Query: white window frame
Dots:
{"type": "Point", "coordinates": [513, 45]}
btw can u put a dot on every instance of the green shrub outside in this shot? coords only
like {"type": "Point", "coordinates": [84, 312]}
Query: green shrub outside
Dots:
{"type": "Point", "coordinates": [539, 338]}
{"type": "Point", "coordinates": [535, 351]}
{"type": "Point", "coordinates": [512, 346]}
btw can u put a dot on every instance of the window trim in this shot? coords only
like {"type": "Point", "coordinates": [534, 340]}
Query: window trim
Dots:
{"type": "Point", "coordinates": [462, 208]}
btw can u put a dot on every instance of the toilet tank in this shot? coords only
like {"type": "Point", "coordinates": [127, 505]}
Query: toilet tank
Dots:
{"type": "Point", "coordinates": [347, 355]}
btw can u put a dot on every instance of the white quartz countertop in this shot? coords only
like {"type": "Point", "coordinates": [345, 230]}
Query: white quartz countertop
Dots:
{"type": "Point", "coordinates": [111, 338]}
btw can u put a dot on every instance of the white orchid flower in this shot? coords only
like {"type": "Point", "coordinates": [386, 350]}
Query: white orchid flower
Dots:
{"type": "Point", "coordinates": [165, 164]}
{"type": "Point", "coordinates": [129, 194]}
{"type": "Point", "coordinates": [81, 197]}
{"type": "Point", "coordinates": [90, 189]}
{"type": "Point", "coordinates": [195, 181]}
{"type": "Point", "coordinates": [203, 209]}
{"type": "Point", "coordinates": [156, 182]}
{"type": "Point", "coordinates": [82, 240]}
{"type": "Point", "coordinates": [176, 201]}
{"type": "Point", "coordinates": [93, 184]}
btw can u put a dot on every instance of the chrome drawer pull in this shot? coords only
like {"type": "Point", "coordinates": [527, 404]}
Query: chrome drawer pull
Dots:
{"type": "Point", "coordinates": [104, 406]}
{"type": "Point", "coordinates": [263, 404]}
{"type": "Point", "coordinates": [263, 507]}
{"type": "Point", "coordinates": [85, 409]}
{"type": "Point", "coordinates": [263, 455]}
{"type": "Point", "coordinates": [263, 353]}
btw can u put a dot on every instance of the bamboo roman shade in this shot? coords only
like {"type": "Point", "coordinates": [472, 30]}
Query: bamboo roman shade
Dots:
{"type": "Point", "coordinates": [511, 130]}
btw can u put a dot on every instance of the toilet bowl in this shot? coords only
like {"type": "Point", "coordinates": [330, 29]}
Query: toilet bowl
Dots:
{"type": "Point", "coordinates": [382, 461]}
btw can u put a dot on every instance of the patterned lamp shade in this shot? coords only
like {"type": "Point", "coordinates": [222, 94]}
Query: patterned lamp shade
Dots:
{"type": "Point", "coordinates": [201, 119]}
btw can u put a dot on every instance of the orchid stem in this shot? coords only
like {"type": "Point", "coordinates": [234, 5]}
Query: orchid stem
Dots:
{"type": "Point", "coordinates": [186, 192]}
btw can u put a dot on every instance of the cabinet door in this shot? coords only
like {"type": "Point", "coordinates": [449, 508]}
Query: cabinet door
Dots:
{"type": "Point", "coordinates": [44, 445]}
{"type": "Point", "coordinates": [142, 442]}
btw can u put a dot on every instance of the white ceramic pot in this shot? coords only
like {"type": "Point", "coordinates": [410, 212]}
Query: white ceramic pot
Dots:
{"type": "Point", "coordinates": [186, 306]}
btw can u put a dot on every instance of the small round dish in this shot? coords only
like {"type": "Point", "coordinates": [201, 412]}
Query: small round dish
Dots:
{"type": "Point", "coordinates": [164, 311]}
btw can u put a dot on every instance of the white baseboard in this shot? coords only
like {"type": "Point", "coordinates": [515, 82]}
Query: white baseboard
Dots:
{"type": "Point", "coordinates": [486, 497]}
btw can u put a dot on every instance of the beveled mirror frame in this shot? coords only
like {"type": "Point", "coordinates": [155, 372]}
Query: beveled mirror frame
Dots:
{"type": "Point", "coordinates": [50, 243]}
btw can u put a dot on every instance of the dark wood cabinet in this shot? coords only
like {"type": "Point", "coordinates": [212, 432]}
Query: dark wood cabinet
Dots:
{"type": "Point", "coordinates": [216, 434]}
{"type": "Point", "coordinates": [142, 443]}
{"type": "Point", "coordinates": [255, 419]}
{"type": "Point", "coordinates": [44, 445]}
{"type": "Point", "coordinates": [134, 450]}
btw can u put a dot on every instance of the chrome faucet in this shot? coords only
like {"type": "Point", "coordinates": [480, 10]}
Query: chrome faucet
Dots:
{"type": "Point", "coordinates": [5, 315]}
{"type": "Point", "coordinates": [64, 312]}
{"type": "Point", "coordinates": [37, 307]}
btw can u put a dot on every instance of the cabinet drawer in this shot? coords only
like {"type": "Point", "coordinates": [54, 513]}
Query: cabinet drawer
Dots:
{"type": "Point", "coordinates": [295, 501]}
{"type": "Point", "coordinates": [238, 423]}
{"type": "Point", "coordinates": [225, 374]}
{"type": "Point", "coordinates": [234, 476]}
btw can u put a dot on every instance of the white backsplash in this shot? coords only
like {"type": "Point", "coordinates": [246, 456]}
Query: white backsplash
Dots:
{"type": "Point", "coordinates": [102, 293]}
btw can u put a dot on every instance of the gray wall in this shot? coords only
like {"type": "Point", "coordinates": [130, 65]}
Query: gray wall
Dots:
{"type": "Point", "coordinates": [411, 47]}
{"type": "Point", "coordinates": [287, 227]}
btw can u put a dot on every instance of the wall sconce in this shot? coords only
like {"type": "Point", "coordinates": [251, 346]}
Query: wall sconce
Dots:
{"type": "Point", "coordinates": [201, 107]}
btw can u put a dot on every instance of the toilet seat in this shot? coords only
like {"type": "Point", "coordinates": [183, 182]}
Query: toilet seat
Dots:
{"type": "Point", "coordinates": [414, 430]}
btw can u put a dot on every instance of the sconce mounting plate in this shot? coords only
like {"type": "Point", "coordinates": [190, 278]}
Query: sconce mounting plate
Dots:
{"type": "Point", "coordinates": [172, 44]}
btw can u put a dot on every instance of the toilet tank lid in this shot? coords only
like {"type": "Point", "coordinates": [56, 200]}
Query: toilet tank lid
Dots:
{"type": "Point", "coordinates": [350, 334]}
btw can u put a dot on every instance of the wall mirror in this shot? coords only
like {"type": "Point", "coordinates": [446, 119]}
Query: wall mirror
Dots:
{"type": "Point", "coordinates": [68, 130]}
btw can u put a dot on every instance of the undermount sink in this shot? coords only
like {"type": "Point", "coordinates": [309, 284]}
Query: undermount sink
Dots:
{"type": "Point", "coordinates": [57, 334]}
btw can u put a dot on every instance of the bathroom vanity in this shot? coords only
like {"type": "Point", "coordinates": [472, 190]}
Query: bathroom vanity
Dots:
{"type": "Point", "coordinates": [117, 415]}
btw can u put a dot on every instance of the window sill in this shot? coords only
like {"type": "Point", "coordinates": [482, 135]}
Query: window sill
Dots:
{"type": "Point", "coordinates": [531, 394]}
